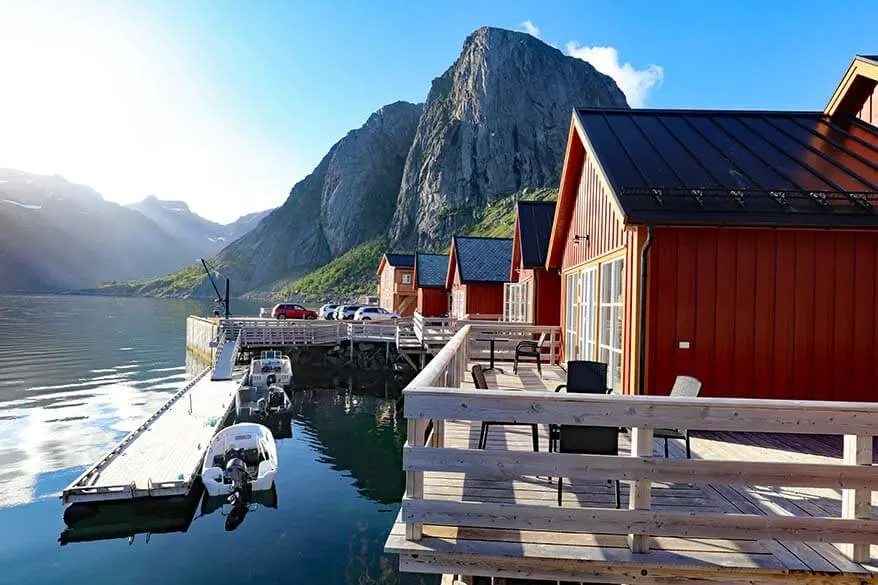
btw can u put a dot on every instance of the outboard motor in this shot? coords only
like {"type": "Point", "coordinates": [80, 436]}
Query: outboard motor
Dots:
{"type": "Point", "coordinates": [270, 380]}
{"type": "Point", "coordinates": [236, 473]}
{"type": "Point", "coordinates": [276, 396]}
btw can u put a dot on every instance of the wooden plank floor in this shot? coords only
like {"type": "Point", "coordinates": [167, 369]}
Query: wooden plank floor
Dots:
{"type": "Point", "coordinates": [607, 558]}
{"type": "Point", "coordinates": [172, 446]}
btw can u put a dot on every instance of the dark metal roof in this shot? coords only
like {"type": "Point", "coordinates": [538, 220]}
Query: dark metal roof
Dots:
{"type": "Point", "coordinates": [401, 260]}
{"type": "Point", "coordinates": [483, 260]}
{"type": "Point", "coordinates": [534, 230]}
{"type": "Point", "coordinates": [707, 167]}
{"type": "Point", "coordinates": [431, 270]}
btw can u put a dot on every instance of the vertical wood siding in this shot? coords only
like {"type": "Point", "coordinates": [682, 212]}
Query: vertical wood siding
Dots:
{"type": "Point", "coordinates": [547, 298]}
{"type": "Point", "coordinates": [593, 216]}
{"type": "Point", "coordinates": [432, 302]}
{"type": "Point", "coordinates": [484, 299]}
{"type": "Point", "coordinates": [767, 313]}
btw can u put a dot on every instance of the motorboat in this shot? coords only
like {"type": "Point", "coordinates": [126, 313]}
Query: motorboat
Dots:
{"type": "Point", "coordinates": [270, 362]}
{"type": "Point", "coordinates": [258, 403]}
{"type": "Point", "coordinates": [241, 459]}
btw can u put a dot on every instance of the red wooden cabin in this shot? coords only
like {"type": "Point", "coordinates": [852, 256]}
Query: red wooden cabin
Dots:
{"type": "Point", "coordinates": [477, 270]}
{"type": "Point", "coordinates": [430, 273]}
{"type": "Point", "coordinates": [737, 247]}
{"type": "Point", "coordinates": [533, 294]}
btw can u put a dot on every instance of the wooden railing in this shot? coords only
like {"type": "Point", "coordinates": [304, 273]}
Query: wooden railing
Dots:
{"type": "Point", "coordinates": [427, 405]}
{"type": "Point", "coordinates": [433, 330]}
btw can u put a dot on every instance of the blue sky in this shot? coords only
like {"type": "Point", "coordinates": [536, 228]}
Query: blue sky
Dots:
{"type": "Point", "coordinates": [226, 103]}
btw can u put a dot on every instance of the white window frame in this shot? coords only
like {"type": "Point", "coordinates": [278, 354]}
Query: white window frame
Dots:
{"type": "Point", "coordinates": [612, 314]}
{"type": "Point", "coordinates": [406, 278]}
{"type": "Point", "coordinates": [588, 307]}
{"type": "Point", "coordinates": [518, 301]}
{"type": "Point", "coordinates": [571, 315]}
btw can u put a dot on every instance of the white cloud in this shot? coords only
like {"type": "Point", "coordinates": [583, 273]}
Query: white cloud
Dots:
{"type": "Point", "coordinates": [530, 28]}
{"type": "Point", "coordinates": [634, 83]}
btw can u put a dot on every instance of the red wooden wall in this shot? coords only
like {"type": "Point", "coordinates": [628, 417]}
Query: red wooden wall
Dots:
{"type": "Point", "coordinates": [547, 298]}
{"type": "Point", "coordinates": [869, 112]}
{"type": "Point", "coordinates": [432, 302]}
{"type": "Point", "coordinates": [768, 313]}
{"type": "Point", "coordinates": [484, 299]}
{"type": "Point", "coordinates": [593, 216]}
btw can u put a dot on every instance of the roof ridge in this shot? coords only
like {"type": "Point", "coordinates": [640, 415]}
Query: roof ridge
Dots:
{"type": "Point", "coordinates": [480, 238]}
{"type": "Point", "coordinates": [695, 111]}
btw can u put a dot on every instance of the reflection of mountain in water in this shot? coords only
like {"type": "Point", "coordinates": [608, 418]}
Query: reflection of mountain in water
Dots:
{"type": "Point", "coordinates": [356, 425]}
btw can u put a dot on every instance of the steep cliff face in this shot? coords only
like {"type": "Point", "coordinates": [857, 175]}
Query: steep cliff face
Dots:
{"type": "Point", "coordinates": [347, 200]}
{"type": "Point", "coordinates": [494, 123]}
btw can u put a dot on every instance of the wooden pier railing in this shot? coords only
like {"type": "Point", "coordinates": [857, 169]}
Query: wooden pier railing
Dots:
{"type": "Point", "coordinates": [434, 396]}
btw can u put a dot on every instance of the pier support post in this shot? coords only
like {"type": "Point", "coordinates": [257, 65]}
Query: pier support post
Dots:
{"type": "Point", "coordinates": [640, 496]}
{"type": "Point", "coordinates": [414, 480]}
{"type": "Point", "coordinates": [857, 502]}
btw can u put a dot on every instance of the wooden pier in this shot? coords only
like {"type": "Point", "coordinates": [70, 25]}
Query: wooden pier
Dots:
{"type": "Point", "coordinates": [764, 498]}
{"type": "Point", "coordinates": [162, 456]}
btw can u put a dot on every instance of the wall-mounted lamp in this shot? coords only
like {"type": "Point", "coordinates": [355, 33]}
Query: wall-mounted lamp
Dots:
{"type": "Point", "coordinates": [577, 239]}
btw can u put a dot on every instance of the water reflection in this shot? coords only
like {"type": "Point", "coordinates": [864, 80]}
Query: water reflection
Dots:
{"type": "Point", "coordinates": [71, 387]}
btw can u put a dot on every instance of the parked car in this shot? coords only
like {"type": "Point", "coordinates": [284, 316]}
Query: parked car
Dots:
{"type": "Point", "coordinates": [327, 311]}
{"type": "Point", "coordinates": [292, 311]}
{"type": "Point", "coordinates": [346, 312]}
{"type": "Point", "coordinates": [374, 314]}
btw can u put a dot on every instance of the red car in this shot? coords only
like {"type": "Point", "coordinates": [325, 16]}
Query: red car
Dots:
{"type": "Point", "coordinates": [291, 311]}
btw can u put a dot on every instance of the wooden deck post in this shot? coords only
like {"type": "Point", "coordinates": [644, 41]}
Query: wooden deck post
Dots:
{"type": "Point", "coordinates": [857, 502]}
{"type": "Point", "coordinates": [640, 496]}
{"type": "Point", "coordinates": [414, 480]}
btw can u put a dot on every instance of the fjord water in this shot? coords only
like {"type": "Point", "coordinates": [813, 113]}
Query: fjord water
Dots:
{"type": "Point", "coordinates": [78, 373]}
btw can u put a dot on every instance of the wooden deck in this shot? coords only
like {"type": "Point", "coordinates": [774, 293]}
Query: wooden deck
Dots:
{"type": "Point", "coordinates": [593, 556]}
{"type": "Point", "coordinates": [162, 457]}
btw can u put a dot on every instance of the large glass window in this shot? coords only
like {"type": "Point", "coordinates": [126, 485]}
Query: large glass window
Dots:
{"type": "Point", "coordinates": [611, 315]}
{"type": "Point", "coordinates": [588, 315]}
{"type": "Point", "coordinates": [571, 313]}
{"type": "Point", "coordinates": [517, 301]}
{"type": "Point", "coordinates": [458, 304]}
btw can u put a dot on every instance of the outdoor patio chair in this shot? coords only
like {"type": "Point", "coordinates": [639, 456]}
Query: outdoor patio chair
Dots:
{"type": "Point", "coordinates": [583, 377]}
{"type": "Point", "coordinates": [530, 349]}
{"type": "Point", "coordinates": [684, 386]}
{"type": "Point", "coordinates": [480, 383]}
{"type": "Point", "coordinates": [589, 440]}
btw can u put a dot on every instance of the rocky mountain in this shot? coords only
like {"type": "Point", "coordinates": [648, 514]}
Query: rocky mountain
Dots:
{"type": "Point", "coordinates": [200, 237]}
{"type": "Point", "coordinates": [493, 129]}
{"type": "Point", "coordinates": [494, 123]}
{"type": "Point", "coordinates": [347, 200]}
{"type": "Point", "coordinates": [56, 235]}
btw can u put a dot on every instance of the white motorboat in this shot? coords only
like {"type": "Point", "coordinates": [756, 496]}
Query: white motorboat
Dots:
{"type": "Point", "coordinates": [241, 459]}
{"type": "Point", "coordinates": [257, 403]}
{"type": "Point", "coordinates": [270, 362]}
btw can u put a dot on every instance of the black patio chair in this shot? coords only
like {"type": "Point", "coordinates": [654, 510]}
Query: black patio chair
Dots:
{"type": "Point", "coordinates": [480, 383]}
{"type": "Point", "coordinates": [684, 387]}
{"type": "Point", "coordinates": [530, 349]}
{"type": "Point", "coordinates": [589, 440]}
{"type": "Point", "coordinates": [583, 377]}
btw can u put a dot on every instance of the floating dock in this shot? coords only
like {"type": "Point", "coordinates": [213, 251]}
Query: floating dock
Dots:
{"type": "Point", "coordinates": [161, 457]}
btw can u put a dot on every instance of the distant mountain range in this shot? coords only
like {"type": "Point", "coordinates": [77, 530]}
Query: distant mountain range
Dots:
{"type": "Point", "coordinates": [56, 235]}
{"type": "Point", "coordinates": [201, 237]}
{"type": "Point", "coordinates": [493, 129]}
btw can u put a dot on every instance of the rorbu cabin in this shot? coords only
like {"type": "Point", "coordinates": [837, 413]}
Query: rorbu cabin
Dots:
{"type": "Point", "coordinates": [430, 273]}
{"type": "Point", "coordinates": [477, 270]}
{"type": "Point", "coordinates": [738, 247]}
{"type": "Point", "coordinates": [533, 294]}
{"type": "Point", "coordinates": [396, 284]}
